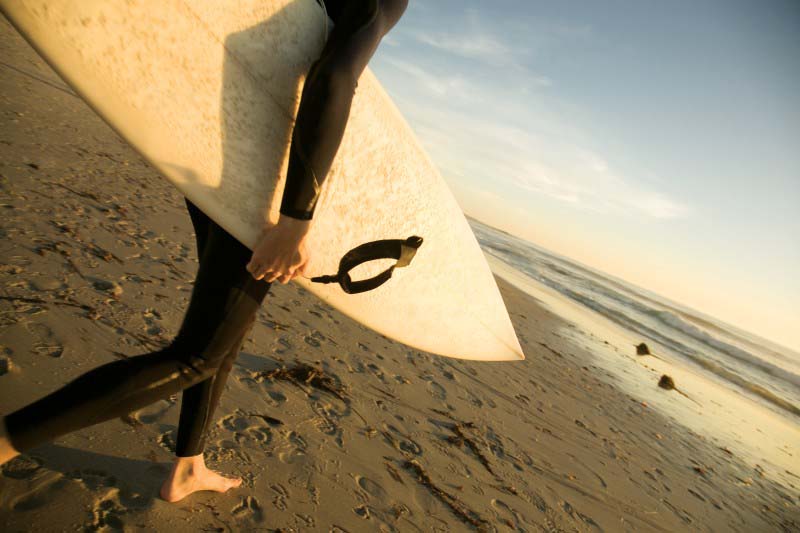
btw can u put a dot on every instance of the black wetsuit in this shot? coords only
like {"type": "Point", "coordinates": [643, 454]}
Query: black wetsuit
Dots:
{"type": "Point", "coordinates": [226, 297]}
{"type": "Point", "coordinates": [359, 26]}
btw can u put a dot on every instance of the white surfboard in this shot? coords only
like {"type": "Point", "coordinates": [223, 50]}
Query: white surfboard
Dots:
{"type": "Point", "coordinates": [207, 91]}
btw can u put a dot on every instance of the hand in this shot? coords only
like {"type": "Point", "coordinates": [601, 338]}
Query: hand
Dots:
{"type": "Point", "coordinates": [280, 251]}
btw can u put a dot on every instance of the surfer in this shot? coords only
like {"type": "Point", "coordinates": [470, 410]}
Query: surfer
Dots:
{"type": "Point", "coordinates": [231, 281]}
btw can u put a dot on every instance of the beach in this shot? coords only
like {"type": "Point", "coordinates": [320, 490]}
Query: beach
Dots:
{"type": "Point", "coordinates": [332, 426]}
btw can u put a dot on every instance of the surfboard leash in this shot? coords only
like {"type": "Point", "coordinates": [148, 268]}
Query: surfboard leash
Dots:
{"type": "Point", "coordinates": [402, 250]}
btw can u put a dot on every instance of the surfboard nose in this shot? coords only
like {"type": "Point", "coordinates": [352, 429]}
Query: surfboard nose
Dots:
{"type": "Point", "coordinates": [520, 356]}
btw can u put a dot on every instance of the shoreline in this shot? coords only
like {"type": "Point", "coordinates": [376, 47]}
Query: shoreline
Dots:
{"type": "Point", "coordinates": [766, 439]}
{"type": "Point", "coordinates": [413, 442]}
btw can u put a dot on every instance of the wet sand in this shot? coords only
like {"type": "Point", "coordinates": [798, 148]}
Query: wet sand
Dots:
{"type": "Point", "coordinates": [332, 426]}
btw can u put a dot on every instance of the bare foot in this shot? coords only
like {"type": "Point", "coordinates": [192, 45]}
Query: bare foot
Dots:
{"type": "Point", "coordinates": [7, 451]}
{"type": "Point", "coordinates": [189, 474]}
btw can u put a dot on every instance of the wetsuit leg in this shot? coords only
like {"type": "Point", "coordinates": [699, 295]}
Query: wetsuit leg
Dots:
{"type": "Point", "coordinates": [327, 94]}
{"type": "Point", "coordinates": [222, 309]}
{"type": "Point", "coordinates": [199, 401]}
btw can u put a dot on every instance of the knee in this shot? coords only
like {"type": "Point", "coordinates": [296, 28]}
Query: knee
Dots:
{"type": "Point", "coordinates": [197, 360]}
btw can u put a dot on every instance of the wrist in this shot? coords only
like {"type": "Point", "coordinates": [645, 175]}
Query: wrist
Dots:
{"type": "Point", "coordinates": [294, 225]}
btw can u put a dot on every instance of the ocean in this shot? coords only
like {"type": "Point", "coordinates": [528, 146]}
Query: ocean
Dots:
{"type": "Point", "coordinates": [754, 369]}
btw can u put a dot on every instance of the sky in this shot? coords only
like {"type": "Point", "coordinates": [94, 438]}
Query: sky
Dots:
{"type": "Point", "coordinates": [656, 141]}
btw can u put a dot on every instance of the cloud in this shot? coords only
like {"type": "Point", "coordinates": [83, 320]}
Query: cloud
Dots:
{"type": "Point", "coordinates": [450, 86]}
{"type": "Point", "coordinates": [502, 39]}
{"type": "Point", "coordinates": [481, 47]}
{"type": "Point", "coordinates": [587, 182]}
{"type": "Point", "coordinates": [489, 128]}
{"type": "Point", "coordinates": [498, 157]}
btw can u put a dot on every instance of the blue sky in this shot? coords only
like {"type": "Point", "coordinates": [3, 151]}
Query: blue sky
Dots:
{"type": "Point", "coordinates": [657, 141]}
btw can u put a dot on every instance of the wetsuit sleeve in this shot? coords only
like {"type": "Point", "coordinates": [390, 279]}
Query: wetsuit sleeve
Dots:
{"type": "Point", "coordinates": [327, 95]}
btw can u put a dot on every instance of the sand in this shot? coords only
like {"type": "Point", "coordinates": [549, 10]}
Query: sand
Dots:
{"type": "Point", "coordinates": [97, 263]}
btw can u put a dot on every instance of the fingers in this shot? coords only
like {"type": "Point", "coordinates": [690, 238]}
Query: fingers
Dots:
{"type": "Point", "coordinates": [258, 271]}
{"type": "Point", "coordinates": [253, 268]}
{"type": "Point", "coordinates": [283, 278]}
{"type": "Point", "coordinates": [270, 276]}
{"type": "Point", "coordinates": [282, 271]}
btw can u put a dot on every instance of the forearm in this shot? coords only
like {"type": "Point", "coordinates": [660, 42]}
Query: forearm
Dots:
{"type": "Point", "coordinates": [327, 96]}
{"type": "Point", "coordinates": [318, 130]}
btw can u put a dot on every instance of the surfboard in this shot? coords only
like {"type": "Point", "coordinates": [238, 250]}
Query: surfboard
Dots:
{"type": "Point", "coordinates": [207, 92]}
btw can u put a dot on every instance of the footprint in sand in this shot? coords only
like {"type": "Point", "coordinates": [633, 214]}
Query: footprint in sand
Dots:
{"type": "Point", "coordinates": [304, 520]}
{"type": "Point", "coordinates": [277, 397]}
{"type": "Point", "coordinates": [260, 434]}
{"type": "Point", "coordinates": [400, 442]}
{"type": "Point", "coordinates": [22, 467]}
{"type": "Point", "coordinates": [498, 449]}
{"type": "Point", "coordinates": [371, 487]}
{"type": "Point", "coordinates": [47, 344]}
{"type": "Point", "coordinates": [538, 502]}
{"type": "Point", "coordinates": [378, 372]}
{"type": "Point", "coordinates": [362, 511]}
{"type": "Point", "coordinates": [6, 365]}
{"type": "Point", "coordinates": [298, 440]}
{"type": "Point", "coordinates": [574, 513]}
{"type": "Point", "coordinates": [42, 495]}
{"type": "Point", "coordinates": [474, 400]}
{"type": "Point", "coordinates": [92, 479]}
{"type": "Point", "coordinates": [106, 515]}
{"type": "Point", "coordinates": [151, 318]}
{"type": "Point", "coordinates": [234, 422]}
{"type": "Point", "coordinates": [152, 413]}
{"type": "Point", "coordinates": [436, 390]}
{"type": "Point", "coordinates": [314, 340]}
{"type": "Point", "coordinates": [286, 345]}
{"type": "Point", "coordinates": [46, 284]}
{"type": "Point", "coordinates": [281, 495]}
{"type": "Point", "coordinates": [326, 421]}
{"type": "Point", "coordinates": [248, 508]}
{"type": "Point", "coordinates": [358, 367]}
{"type": "Point", "coordinates": [245, 428]}
{"type": "Point", "coordinates": [505, 514]}
{"type": "Point", "coordinates": [297, 452]}
{"type": "Point", "coordinates": [167, 441]}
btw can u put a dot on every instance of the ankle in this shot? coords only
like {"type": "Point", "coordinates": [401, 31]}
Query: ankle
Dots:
{"type": "Point", "coordinates": [189, 465]}
{"type": "Point", "coordinates": [7, 450]}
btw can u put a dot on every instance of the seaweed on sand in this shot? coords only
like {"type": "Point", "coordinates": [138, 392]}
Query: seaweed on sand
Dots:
{"type": "Point", "coordinates": [303, 374]}
{"type": "Point", "coordinates": [458, 507]}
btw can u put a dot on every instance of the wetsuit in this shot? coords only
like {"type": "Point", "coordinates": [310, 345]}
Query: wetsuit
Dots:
{"type": "Point", "coordinates": [327, 94]}
{"type": "Point", "coordinates": [225, 297]}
